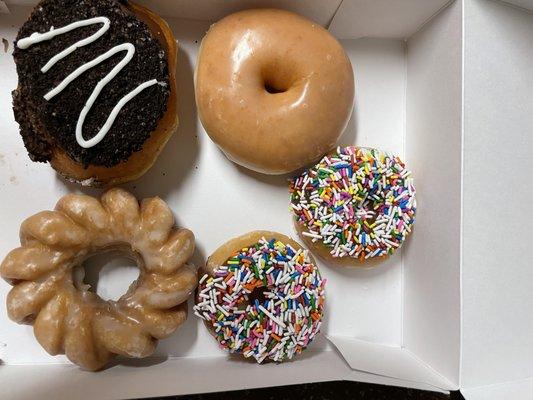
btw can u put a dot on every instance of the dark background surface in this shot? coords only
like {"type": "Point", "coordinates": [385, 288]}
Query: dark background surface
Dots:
{"type": "Point", "coordinates": [341, 390]}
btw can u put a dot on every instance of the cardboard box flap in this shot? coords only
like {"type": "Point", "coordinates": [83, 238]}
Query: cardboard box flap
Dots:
{"type": "Point", "coordinates": [390, 361]}
{"type": "Point", "coordinates": [176, 376]}
{"type": "Point", "coordinates": [497, 339]}
{"type": "Point", "coordinates": [383, 18]}
{"type": "Point", "coordinates": [507, 390]}
{"type": "Point", "coordinates": [212, 10]}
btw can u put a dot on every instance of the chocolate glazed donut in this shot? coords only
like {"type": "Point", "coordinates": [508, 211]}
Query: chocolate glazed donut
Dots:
{"type": "Point", "coordinates": [274, 90]}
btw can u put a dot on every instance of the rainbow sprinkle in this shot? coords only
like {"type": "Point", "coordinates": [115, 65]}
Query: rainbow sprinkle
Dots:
{"type": "Point", "coordinates": [358, 202]}
{"type": "Point", "coordinates": [280, 325]}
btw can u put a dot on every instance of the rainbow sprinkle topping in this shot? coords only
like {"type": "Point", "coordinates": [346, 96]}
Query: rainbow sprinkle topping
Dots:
{"type": "Point", "coordinates": [286, 318]}
{"type": "Point", "coordinates": [358, 202]}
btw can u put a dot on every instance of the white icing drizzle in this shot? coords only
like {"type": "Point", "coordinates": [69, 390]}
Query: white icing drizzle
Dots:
{"type": "Point", "coordinates": [130, 51]}
{"type": "Point", "coordinates": [36, 37]}
{"type": "Point", "coordinates": [41, 37]}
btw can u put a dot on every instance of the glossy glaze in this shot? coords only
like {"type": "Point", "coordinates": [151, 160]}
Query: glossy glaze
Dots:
{"type": "Point", "coordinates": [274, 90]}
{"type": "Point", "coordinates": [67, 317]}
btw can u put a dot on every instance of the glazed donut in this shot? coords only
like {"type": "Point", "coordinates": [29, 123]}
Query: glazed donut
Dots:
{"type": "Point", "coordinates": [356, 204]}
{"type": "Point", "coordinates": [68, 318]}
{"type": "Point", "coordinates": [274, 90]}
{"type": "Point", "coordinates": [96, 93]}
{"type": "Point", "coordinates": [262, 296]}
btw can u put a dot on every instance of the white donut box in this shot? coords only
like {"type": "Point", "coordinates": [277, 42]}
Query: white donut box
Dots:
{"type": "Point", "coordinates": [446, 85]}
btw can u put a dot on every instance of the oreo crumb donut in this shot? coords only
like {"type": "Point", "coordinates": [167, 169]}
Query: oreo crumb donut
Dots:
{"type": "Point", "coordinates": [96, 93]}
{"type": "Point", "coordinates": [69, 319]}
{"type": "Point", "coordinates": [355, 205]}
{"type": "Point", "coordinates": [262, 296]}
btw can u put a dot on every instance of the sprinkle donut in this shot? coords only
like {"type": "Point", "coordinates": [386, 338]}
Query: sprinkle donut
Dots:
{"type": "Point", "coordinates": [356, 204]}
{"type": "Point", "coordinates": [262, 297]}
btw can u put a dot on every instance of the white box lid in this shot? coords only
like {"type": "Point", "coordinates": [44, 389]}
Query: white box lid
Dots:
{"type": "Point", "coordinates": [497, 273]}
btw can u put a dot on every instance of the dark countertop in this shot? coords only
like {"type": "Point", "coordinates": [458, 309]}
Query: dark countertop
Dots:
{"type": "Point", "coordinates": [341, 390]}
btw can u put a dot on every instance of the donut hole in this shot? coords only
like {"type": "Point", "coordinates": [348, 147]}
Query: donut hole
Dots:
{"type": "Point", "coordinates": [272, 88]}
{"type": "Point", "coordinates": [276, 78]}
{"type": "Point", "coordinates": [108, 274]}
{"type": "Point", "coordinates": [257, 294]}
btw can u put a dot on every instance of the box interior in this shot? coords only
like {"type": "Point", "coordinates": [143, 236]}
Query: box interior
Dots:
{"type": "Point", "coordinates": [367, 304]}
{"type": "Point", "coordinates": [234, 206]}
{"type": "Point", "coordinates": [406, 313]}
{"type": "Point", "coordinates": [383, 18]}
{"type": "Point", "coordinates": [378, 290]}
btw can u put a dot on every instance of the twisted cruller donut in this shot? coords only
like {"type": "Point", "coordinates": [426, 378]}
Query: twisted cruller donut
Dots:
{"type": "Point", "coordinates": [70, 319]}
